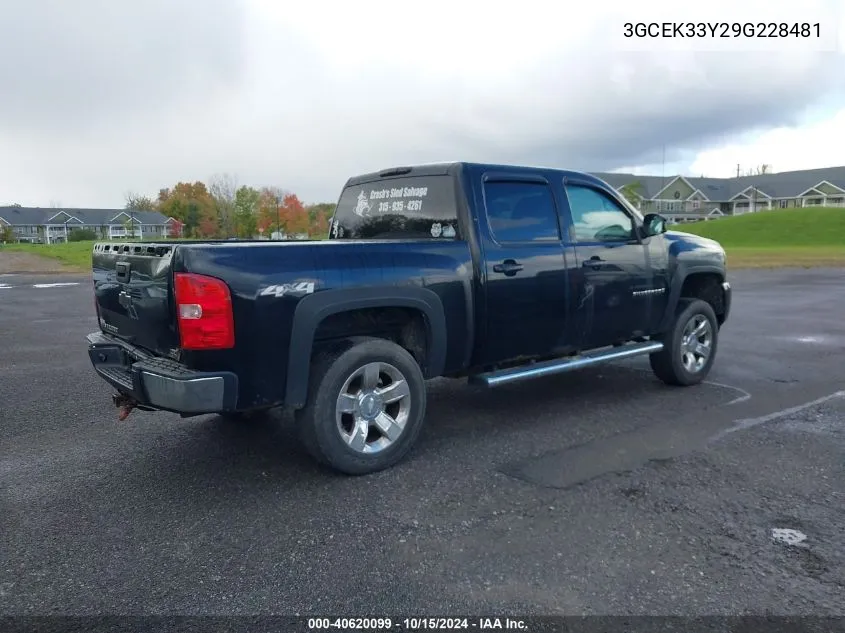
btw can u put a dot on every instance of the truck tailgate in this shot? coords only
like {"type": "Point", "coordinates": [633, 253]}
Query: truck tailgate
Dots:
{"type": "Point", "coordinates": [133, 293]}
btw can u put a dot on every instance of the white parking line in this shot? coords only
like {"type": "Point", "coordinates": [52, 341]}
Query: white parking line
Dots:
{"type": "Point", "coordinates": [741, 425]}
{"type": "Point", "coordinates": [56, 284]}
{"type": "Point", "coordinates": [741, 398]}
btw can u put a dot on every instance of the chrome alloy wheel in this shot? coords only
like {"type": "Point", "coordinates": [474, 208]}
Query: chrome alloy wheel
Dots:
{"type": "Point", "coordinates": [696, 343]}
{"type": "Point", "coordinates": [373, 406]}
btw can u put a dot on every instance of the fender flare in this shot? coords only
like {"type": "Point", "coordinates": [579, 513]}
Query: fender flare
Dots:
{"type": "Point", "coordinates": [313, 309]}
{"type": "Point", "coordinates": [682, 272]}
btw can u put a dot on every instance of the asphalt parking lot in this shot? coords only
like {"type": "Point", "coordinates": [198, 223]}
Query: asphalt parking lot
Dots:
{"type": "Point", "coordinates": [597, 492]}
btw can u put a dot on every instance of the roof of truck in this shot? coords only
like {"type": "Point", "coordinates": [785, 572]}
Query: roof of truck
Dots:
{"type": "Point", "coordinates": [444, 168]}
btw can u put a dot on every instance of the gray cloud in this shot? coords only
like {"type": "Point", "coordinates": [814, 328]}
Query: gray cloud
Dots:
{"type": "Point", "coordinates": [583, 119]}
{"type": "Point", "coordinates": [200, 90]}
{"type": "Point", "coordinates": [68, 65]}
{"type": "Point", "coordinates": [594, 123]}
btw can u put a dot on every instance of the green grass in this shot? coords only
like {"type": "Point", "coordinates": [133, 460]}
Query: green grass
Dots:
{"type": "Point", "coordinates": [783, 237]}
{"type": "Point", "coordinates": [74, 255]}
{"type": "Point", "coordinates": [788, 237]}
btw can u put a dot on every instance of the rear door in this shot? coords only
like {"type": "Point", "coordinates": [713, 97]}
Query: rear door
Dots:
{"type": "Point", "coordinates": [133, 294]}
{"type": "Point", "coordinates": [612, 272]}
{"type": "Point", "coordinates": [525, 268]}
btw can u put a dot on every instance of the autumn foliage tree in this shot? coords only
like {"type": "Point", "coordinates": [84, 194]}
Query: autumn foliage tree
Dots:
{"type": "Point", "coordinates": [223, 209]}
{"type": "Point", "coordinates": [281, 211]}
{"type": "Point", "coordinates": [319, 216]}
{"type": "Point", "coordinates": [176, 228]}
{"type": "Point", "coordinates": [294, 215]}
{"type": "Point", "coordinates": [269, 210]}
{"type": "Point", "coordinates": [193, 205]}
{"type": "Point", "coordinates": [320, 226]}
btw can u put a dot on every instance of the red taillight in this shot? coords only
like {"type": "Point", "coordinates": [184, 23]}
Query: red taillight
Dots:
{"type": "Point", "coordinates": [204, 312]}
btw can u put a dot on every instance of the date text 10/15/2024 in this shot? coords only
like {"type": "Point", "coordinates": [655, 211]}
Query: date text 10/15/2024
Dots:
{"type": "Point", "coordinates": [722, 29]}
{"type": "Point", "coordinates": [417, 624]}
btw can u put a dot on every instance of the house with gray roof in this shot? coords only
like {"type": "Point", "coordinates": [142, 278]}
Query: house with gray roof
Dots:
{"type": "Point", "coordinates": [48, 226]}
{"type": "Point", "coordinates": [688, 199]}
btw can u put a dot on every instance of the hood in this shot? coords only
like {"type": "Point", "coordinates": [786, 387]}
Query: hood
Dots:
{"type": "Point", "coordinates": [697, 240]}
{"type": "Point", "coordinates": [688, 245]}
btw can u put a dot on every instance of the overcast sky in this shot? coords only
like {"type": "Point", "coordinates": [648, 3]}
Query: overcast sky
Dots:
{"type": "Point", "coordinates": [104, 97]}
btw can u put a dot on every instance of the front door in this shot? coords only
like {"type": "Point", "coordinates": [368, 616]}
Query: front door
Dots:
{"type": "Point", "coordinates": [526, 282]}
{"type": "Point", "coordinates": [612, 273]}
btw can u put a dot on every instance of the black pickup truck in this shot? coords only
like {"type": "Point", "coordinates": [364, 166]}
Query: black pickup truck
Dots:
{"type": "Point", "coordinates": [493, 272]}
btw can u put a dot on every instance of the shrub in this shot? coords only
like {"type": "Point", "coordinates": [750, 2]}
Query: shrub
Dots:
{"type": "Point", "coordinates": [82, 235]}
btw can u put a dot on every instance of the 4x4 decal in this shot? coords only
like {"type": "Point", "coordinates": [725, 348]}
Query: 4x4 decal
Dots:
{"type": "Point", "coordinates": [281, 290]}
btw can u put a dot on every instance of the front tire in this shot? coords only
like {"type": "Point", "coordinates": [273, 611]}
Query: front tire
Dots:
{"type": "Point", "coordinates": [365, 407]}
{"type": "Point", "coordinates": [689, 347]}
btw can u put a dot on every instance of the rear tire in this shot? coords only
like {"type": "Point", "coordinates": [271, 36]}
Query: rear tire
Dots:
{"type": "Point", "coordinates": [689, 347]}
{"type": "Point", "coordinates": [365, 409]}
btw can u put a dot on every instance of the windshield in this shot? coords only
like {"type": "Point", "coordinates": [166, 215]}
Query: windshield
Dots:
{"type": "Point", "coordinates": [411, 207]}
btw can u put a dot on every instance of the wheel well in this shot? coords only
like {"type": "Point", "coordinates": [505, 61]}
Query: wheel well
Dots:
{"type": "Point", "coordinates": [707, 287]}
{"type": "Point", "coordinates": [406, 327]}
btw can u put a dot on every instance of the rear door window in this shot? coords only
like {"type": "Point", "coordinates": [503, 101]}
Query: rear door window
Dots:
{"type": "Point", "coordinates": [413, 207]}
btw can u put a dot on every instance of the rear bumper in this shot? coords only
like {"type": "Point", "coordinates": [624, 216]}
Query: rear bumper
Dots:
{"type": "Point", "coordinates": [160, 383]}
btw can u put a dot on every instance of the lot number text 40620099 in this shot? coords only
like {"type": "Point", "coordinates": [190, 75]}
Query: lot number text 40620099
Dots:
{"type": "Point", "coordinates": [416, 624]}
{"type": "Point", "coordinates": [721, 29]}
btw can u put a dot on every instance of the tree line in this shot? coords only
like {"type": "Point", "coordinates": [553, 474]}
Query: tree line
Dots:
{"type": "Point", "coordinates": [221, 208]}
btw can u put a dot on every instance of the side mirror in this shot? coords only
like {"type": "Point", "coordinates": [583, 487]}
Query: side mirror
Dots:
{"type": "Point", "coordinates": [654, 224]}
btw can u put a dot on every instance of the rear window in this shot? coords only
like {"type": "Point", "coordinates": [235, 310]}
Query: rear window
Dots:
{"type": "Point", "coordinates": [413, 207]}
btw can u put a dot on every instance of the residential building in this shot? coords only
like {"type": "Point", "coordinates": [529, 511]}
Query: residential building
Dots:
{"type": "Point", "coordinates": [48, 226]}
{"type": "Point", "coordinates": [688, 199]}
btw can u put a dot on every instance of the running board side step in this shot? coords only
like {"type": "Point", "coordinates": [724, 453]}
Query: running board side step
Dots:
{"type": "Point", "coordinates": [560, 365]}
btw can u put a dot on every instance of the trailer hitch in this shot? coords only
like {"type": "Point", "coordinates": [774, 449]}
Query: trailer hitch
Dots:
{"type": "Point", "coordinates": [125, 404]}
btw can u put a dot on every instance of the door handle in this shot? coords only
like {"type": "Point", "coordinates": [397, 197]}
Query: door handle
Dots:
{"type": "Point", "coordinates": [594, 262]}
{"type": "Point", "coordinates": [509, 267]}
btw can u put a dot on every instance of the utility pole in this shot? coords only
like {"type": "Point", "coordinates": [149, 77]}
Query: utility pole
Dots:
{"type": "Point", "coordinates": [279, 216]}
